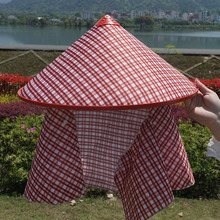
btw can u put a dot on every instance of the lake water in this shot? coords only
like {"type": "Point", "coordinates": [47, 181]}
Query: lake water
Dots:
{"type": "Point", "coordinates": [53, 35]}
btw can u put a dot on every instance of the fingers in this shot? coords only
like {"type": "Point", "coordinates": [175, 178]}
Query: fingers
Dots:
{"type": "Point", "coordinates": [189, 105]}
{"type": "Point", "coordinates": [202, 88]}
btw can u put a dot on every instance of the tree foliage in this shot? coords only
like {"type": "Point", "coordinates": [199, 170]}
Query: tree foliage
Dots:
{"type": "Point", "coordinates": [206, 170]}
{"type": "Point", "coordinates": [43, 7]}
{"type": "Point", "coordinates": [144, 20]}
{"type": "Point", "coordinates": [18, 140]}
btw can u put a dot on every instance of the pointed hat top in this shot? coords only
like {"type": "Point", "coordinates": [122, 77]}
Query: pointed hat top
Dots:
{"type": "Point", "coordinates": [106, 20]}
{"type": "Point", "coordinates": [107, 68]}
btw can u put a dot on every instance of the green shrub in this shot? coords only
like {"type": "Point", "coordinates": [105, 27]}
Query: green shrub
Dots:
{"type": "Point", "coordinates": [18, 139]}
{"type": "Point", "coordinates": [18, 142]}
{"type": "Point", "coordinates": [9, 98]}
{"type": "Point", "coordinates": [92, 192]}
{"type": "Point", "coordinates": [206, 170]}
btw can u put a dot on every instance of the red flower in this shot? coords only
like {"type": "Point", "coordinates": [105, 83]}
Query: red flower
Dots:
{"type": "Point", "coordinates": [10, 83]}
{"type": "Point", "coordinates": [213, 84]}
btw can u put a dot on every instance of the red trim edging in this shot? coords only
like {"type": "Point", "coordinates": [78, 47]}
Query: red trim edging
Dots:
{"type": "Point", "coordinates": [102, 108]}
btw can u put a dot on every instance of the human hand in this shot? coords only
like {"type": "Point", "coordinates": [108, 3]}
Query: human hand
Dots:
{"type": "Point", "coordinates": [205, 108]}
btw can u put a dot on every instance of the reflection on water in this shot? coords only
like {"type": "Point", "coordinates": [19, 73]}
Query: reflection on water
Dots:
{"type": "Point", "coordinates": [66, 36]}
{"type": "Point", "coordinates": [181, 39]}
{"type": "Point", "coordinates": [37, 35]}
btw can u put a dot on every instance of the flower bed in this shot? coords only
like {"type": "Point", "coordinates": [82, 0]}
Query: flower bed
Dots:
{"type": "Point", "coordinates": [10, 83]}
{"type": "Point", "coordinates": [19, 136]}
{"type": "Point", "coordinates": [11, 110]}
{"type": "Point", "coordinates": [10, 106]}
{"type": "Point", "coordinates": [213, 84]}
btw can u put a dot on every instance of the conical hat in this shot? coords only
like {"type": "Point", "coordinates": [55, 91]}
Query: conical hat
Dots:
{"type": "Point", "coordinates": [107, 68]}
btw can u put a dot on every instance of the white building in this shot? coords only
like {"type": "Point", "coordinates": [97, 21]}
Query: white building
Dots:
{"type": "Point", "coordinates": [175, 15]}
{"type": "Point", "coordinates": [185, 16]}
{"type": "Point", "coordinates": [87, 15]}
{"type": "Point", "coordinates": [161, 14]}
{"type": "Point", "coordinates": [203, 16]}
{"type": "Point", "coordinates": [154, 14]}
{"type": "Point", "coordinates": [215, 18]}
{"type": "Point", "coordinates": [168, 15]}
{"type": "Point", "coordinates": [135, 13]}
{"type": "Point", "coordinates": [55, 20]}
{"type": "Point", "coordinates": [10, 17]}
{"type": "Point", "coordinates": [39, 18]}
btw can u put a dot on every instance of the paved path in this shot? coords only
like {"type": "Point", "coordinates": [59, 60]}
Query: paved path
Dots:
{"type": "Point", "coordinates": [64, 47]}
{"type": "Point", "coordinates": [190, 51]}
{"type": "Point", "coordinates": [33, 47]}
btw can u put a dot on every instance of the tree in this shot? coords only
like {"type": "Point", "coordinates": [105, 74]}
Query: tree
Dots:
{"type": "Point", "coordinates": [43, 21]}
{"type": "Point", "coordinates": [1, 15]}
{"type": "Point", "coordinates": [78, 14]}
{"type": "Point", "coordinates": [144, 20]}
{"type": "Point", "coordinates": [98, 15]}
{"type": "Point", "coordinates": [124, 21]}
{"type": "Point", "coordinates": [2, 18]}
{"type": "Point", "coordinates": [54, 15]}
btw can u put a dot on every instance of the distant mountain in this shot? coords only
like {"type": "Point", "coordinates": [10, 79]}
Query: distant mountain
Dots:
{"type": "Point", "coordinates": [5, 1]}
{"type": "Point", "coordinates": [43, 7]}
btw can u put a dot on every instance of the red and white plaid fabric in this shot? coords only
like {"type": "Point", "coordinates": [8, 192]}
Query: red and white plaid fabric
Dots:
{"type": "Point", "coordinates": [155, 165]}
{"type": "Point", "coordinates": [56, 173]}
{"type": "Point", "coordinates": [137, 152]}
{"type": "Point", "coordinates": [133, 149]}
{"type": "Point", "coordinates": [107, 67]}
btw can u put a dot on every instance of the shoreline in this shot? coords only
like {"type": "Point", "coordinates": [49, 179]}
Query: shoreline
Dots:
{"type": "Point", "coordinates": [155, 26]}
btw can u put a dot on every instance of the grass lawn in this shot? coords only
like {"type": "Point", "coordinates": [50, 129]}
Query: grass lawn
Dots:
{"type": "Point", "coordinates": [27, 65]}
{"type": "Point", "coordinates": [18, 208]}
{"type": "Point", "coordinates": [30, 65]}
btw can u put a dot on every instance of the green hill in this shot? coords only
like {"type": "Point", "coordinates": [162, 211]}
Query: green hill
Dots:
{"type": "Point", "coordinates": [42, 7]}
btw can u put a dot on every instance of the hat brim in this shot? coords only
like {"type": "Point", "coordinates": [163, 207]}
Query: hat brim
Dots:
{"type": "Point", "coordinates": [102, 108]}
